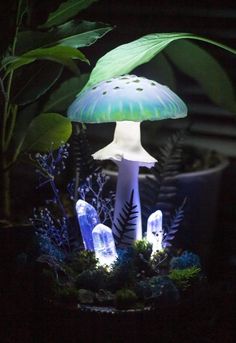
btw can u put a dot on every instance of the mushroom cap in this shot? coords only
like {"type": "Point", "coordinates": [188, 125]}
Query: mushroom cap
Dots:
{"type": "Point", "coordinates": [126, 98]}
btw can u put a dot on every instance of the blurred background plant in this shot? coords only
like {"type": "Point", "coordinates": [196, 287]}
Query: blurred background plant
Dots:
{"type": "Point", "coordinates": [38, 57]}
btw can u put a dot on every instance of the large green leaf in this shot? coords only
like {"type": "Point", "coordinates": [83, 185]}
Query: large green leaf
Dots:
{"type": "Point", "coordinates": [62, 97]}
{"type": "Point", "coordinates": [33, 81]}
{"type": "Point", "coordinates": [74, 33]}
{"type": "Point", "coordinates": [127, 57]}
{"type": "Point", "coordinates": [47, 131]}
{"type": "Point", "coordinates": [65, 11]}
{"type": "Point", "coordinates": [160, 70]}
{"type": "Point", "coordinates": [23, 120]}
{"type": "Point", "coordinates": [200, 65]}
{"type": "Point", "coordinates": [60, 54]}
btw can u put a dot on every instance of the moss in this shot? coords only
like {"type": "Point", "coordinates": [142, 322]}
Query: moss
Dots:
{"type": "Point", "coordinates": [92, 279]}
{"type": "Point", "coordinates": [67, 295]}
{"type": "Point", "coordinates": [184, 278]}
{"type": "Point", "coordinates": [125, 298]}
{"type": "Point", "coordinates": [185, 260]}
{"type": "Point", "coordinates": [82, 260]}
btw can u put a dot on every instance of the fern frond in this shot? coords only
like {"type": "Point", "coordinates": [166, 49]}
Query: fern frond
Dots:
{"type": "Point", "coordinates": [172, 227]}
{"type": "Point", "coordinates": [124, 224]}
{"type": "Point", "coordinates": [159, 190]}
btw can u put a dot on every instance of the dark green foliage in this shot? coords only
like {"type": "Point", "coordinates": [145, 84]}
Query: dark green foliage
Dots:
{"type": "Point", "coordinates": [124, 224]}
{"type": "Point", "coordinates": [160, 262]}
{"type": "Point", "coordinates": [159, 191]}
{"type": "Point", "coordinates": [93, 279]}
{"type": "Point", "coordinates": [184, 278]}
{"type": "Point", "coordinates": [124, 270]}
{"type": "Point", "coordinates": [159, 290]}
{"type": "Point", "coordinates": [67, 295]}
{"type": "Point", "coordinates": [81, 261]}
{"type": "Point", "coordinates": [125, 298]}
{"type": "Point", "coordinates": [143, 247]}
{"type": "Point", "coordinates": [142, 254]}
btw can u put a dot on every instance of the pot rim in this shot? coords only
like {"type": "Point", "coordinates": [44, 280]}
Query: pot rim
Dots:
{"type": "Point", "coordinates": [223, 164]}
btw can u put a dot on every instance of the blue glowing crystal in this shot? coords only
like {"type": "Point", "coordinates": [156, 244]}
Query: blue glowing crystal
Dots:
{"type": "Point", "coordinates": [88, 219]}
{"type": "Point", "coordinates": [155, 231]}
{"type": "Point", "coordinates": [104, 244]}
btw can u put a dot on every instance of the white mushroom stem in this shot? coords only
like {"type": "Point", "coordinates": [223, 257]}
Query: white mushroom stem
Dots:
{"type": "Point", "coordinates": [127, 182]}
{"type": "Point", "coordinates": [126, 150]}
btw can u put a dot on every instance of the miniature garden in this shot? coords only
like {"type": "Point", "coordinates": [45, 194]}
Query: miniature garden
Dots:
{"type": "Point", "coordinates": [99, 244]}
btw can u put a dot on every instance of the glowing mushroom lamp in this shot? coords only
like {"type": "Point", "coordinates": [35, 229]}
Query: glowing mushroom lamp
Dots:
{"type": "Point", "coordinates": [127, 100]}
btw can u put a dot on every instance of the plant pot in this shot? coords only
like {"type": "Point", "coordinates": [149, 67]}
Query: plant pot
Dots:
{"type": "Point", "coordinates": [181, 322]}
{"type": "Point", "coordinates": [201, 190]}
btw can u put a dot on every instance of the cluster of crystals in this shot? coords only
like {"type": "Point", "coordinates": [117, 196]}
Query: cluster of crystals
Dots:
{"type": "Point", "coordinates": [92, 191]}
{"type": "Point", "coordinates": [96, 236]}
{"type": "Point", "coordinates": [52, 163]}
{"type": "Point", "coordinates": [52, 233]}
{"type": "Point", "coordinates": [99, 237]}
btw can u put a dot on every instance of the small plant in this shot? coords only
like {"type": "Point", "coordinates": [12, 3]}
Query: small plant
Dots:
{"type": "Point", "coordinates": [186, 260]}
{"type": "Point", "coordinates": [184, 278]}
{"type": "Point", "coordinates": [92, 191]}
{"type": "Point", "coordinates": [125, 298]}
{"type": "Point", "coordinates": [52, 224]}
{"type": "Point", "coordinates": [92, 279]}
{"type": "Point", "coordinates": [82, 260]}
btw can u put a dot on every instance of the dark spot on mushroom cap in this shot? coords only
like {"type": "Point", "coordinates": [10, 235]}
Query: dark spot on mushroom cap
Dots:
{"type": "Point", "coordinates": [94, 87]}
{"type": "Point", "coordinates": [136, 81]}
{"type": "Point", "coordinates": [116, 87]}
{"type": "Point", "coordinates": [139, 89]}
{"type": "Point", "coordinates": [104, 93]}
{"type": "Point", "coordinates": [153, 84]}
{"type": "Point", "coordinates": [124, 78]}
{"type": "Point", "coordinates": [108, 81]}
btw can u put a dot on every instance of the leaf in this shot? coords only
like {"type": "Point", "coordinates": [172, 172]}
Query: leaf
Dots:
{"type": "Point", "coordinates": [60, 54]}
{"type": "Point", "coordinates": [127, 57]}
{"type": "Point", "coordinates": [31, 82]}
{"type": "Point", "coordinates": [47, 130]}
{"type": "Point", "coordinates": [74, 33]}
{"type": "Point", "coordinates": [160, 70]}
{"type": "Point", "coordinates": [65, 11]}
{"type": "Point", "coordinates": [62, 97]}
{"type": "Point", "coordinates": [81, 34]}
{"type": "Point", "coordinates": [201, 66]}
{"type": "Point", "coordinates": [23, 120]}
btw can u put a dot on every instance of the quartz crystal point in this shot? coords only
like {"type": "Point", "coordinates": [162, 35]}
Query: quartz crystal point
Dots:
{"type": "Point", "coordinates": [154, 230]}
{"type": "Point", "coordinates": [88, 219]}
{"type": "Point", "coordinates": [104, 244]}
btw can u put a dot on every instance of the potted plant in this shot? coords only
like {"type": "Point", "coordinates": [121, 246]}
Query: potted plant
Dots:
{"type": "Point", "coordinates": [32, 64]}
{"type": "Point", "coordinates": [40, 57]}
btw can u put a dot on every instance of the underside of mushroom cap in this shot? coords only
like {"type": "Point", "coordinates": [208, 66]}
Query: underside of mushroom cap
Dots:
{"type": "Point", "coordinates": [113, 152]}
{"type": "Point", "coordinates": [127, 97]}
{"type": "Point", "coordinates": [126, 145]}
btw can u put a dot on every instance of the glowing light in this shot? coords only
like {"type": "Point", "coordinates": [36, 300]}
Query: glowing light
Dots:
{"type": "Point", "coordinates": [104, 244]}
{"type": "Point", "coordinates": [154, 230]}
{"type": "Point", "coordinates": [88, 219]}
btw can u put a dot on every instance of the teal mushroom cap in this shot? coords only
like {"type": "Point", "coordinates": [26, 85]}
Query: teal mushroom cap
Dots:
{"type": "Point", "coordinates": [126, 98]}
